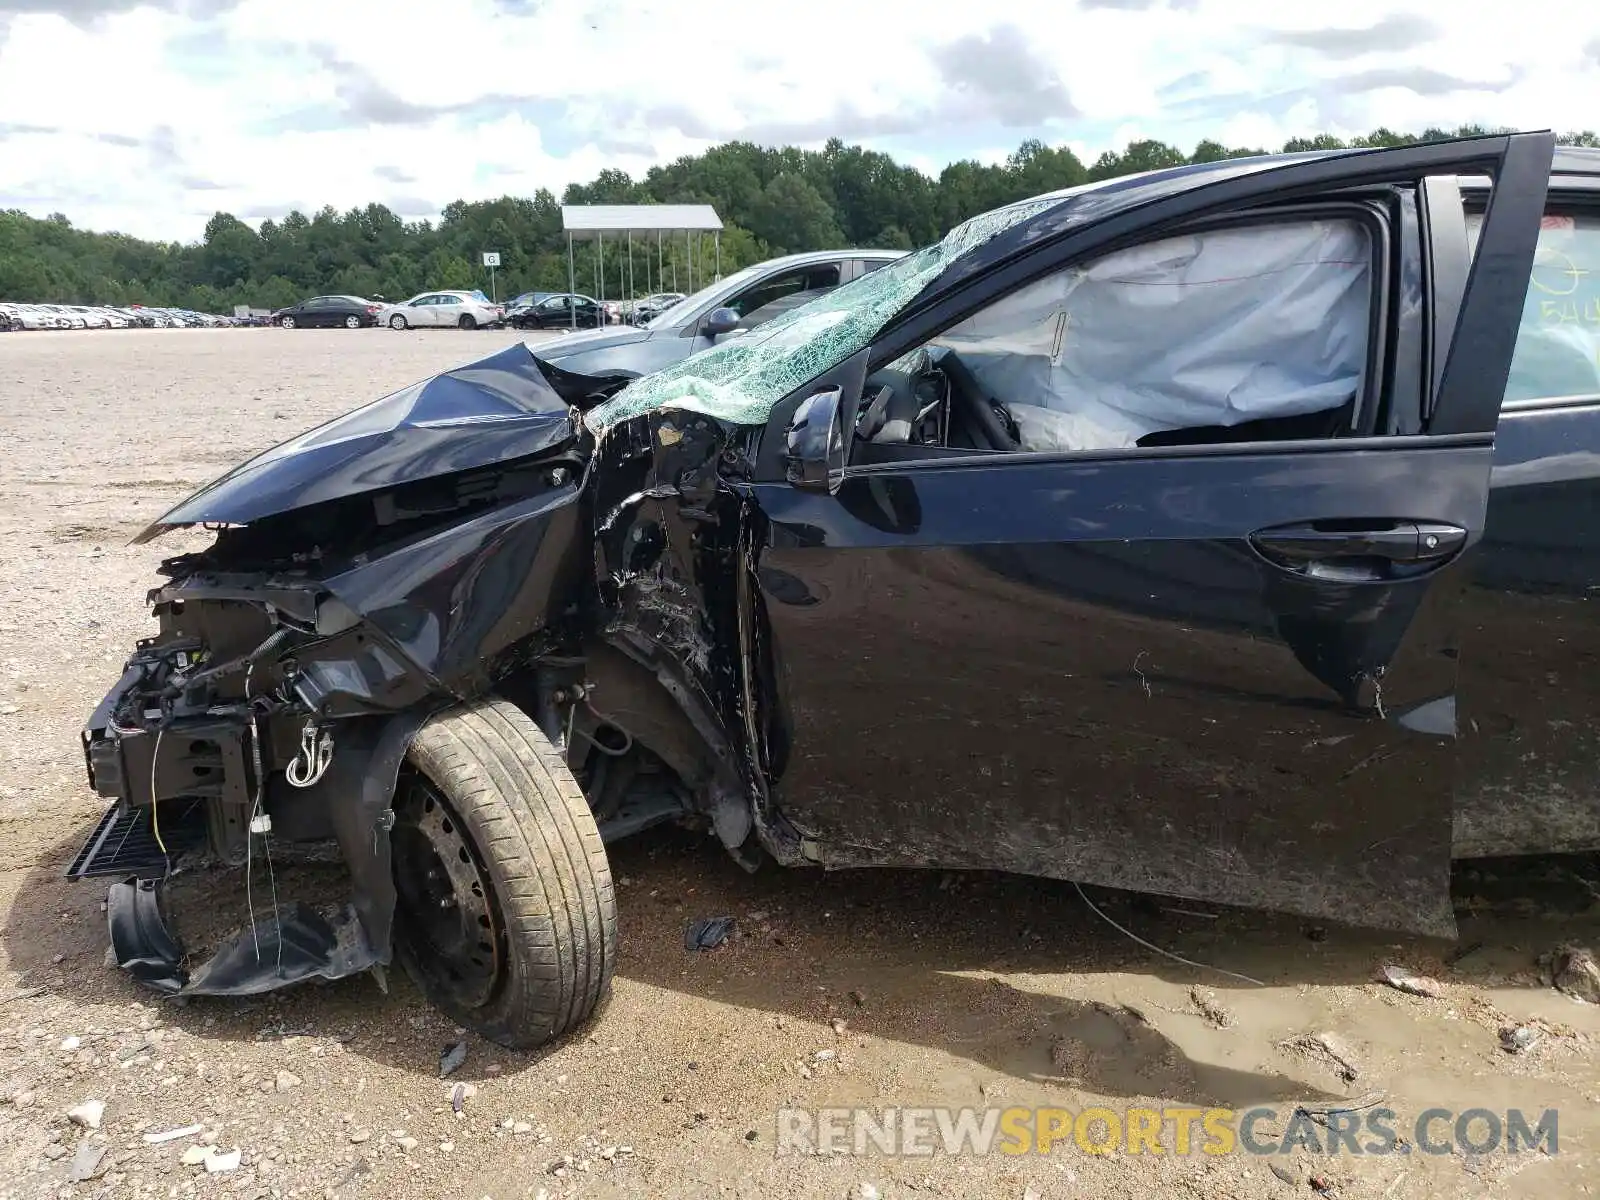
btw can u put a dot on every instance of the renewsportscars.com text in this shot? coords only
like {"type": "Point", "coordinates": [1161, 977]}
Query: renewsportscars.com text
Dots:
{"type": "Point", "coordinates": [1174, 1130]}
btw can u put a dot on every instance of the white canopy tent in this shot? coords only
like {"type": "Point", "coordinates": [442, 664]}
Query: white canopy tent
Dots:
{"type": "Point", "coordinates": [584, 222]}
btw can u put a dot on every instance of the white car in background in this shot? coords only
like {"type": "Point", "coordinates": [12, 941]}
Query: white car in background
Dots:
{"type": "Point", "coordinates": [30, 316]}
{"type": "Point", "coordinates": [93, 318]}
{"type": "Point", "coordinates": [65, 317]}
{"type": "Point", "coordinates": [440, 310]}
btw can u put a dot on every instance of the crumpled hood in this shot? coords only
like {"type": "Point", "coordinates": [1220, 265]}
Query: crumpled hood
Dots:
{"type": "Point", "coordinates": [501, 408]}
{"type": "Point", "coordinates": [594, 339]}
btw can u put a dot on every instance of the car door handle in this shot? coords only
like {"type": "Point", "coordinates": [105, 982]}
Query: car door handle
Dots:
{"type": "Point", "coordinates": [1397, 544]}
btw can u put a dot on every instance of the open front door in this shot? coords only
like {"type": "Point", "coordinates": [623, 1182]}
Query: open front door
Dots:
{"type": "Point", "coordinates": [1218, 662]}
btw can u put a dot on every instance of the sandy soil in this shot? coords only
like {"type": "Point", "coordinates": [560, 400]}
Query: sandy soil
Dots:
{"type": "Point", "coordinates": [918, 988]}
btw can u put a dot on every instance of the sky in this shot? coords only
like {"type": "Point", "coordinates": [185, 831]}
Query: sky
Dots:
{"type": "Point", "coordinates": [147, 117]}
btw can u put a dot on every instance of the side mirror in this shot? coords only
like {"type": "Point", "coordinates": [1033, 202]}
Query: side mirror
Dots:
{"type": "Point", "coordinates": [719, 321]}
{"type": "Point", "coordinates": [814, 443]}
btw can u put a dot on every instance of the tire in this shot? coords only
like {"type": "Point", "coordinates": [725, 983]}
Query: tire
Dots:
{"type": "Point", "coordinates": [352, 322]}
{"type": "Point", "coordinates": [286, 322]}
{"type": "Point", "coordinates": [467, 322]}
{"type": "Point", "coordinates": [397, 322]}
{"type": "Point", "coordinates": [550, 919]}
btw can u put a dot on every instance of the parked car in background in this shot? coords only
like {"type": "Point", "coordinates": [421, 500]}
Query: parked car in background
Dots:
{"type": "Point", "coordinates": [442, 309]}
{"type": "Point", "coordinates": [738, 303]}
{"type": "Point", "coordinates": [523, 299]}
{"type": "Point", "coordinates": [66, 318]}
{"type": "Point", "coordinates": [564, 310]}
{"type": "Point", "coordinates": [652, 306]}
{"type": "Point", "coordinates": [32, 317]}
{"type": "Point", "coordinates": [324, 312]}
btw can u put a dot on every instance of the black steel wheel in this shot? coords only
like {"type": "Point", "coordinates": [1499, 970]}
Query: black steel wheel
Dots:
{"type": "Point", "coordinates": [505, 915]}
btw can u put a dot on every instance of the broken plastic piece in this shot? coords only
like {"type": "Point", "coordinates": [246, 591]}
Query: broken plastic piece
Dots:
{"type": "Point", "coordinates": [708, 934]}
{"type": "Point", "coordinates": [298, 944]}
{"type": "Point", "coordinates": [172, 1135]}
{"type": "Point", "coordinates": [451, 1058]}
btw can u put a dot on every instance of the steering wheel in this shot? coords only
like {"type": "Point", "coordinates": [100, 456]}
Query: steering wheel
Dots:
{"type": "Point", "coordinates": [985, 421]}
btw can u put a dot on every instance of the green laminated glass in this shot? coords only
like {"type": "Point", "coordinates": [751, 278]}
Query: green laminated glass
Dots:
{"type": "Point", "coordinates": [742, 378]}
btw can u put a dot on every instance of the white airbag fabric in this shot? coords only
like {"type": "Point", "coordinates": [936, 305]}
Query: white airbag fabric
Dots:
{"type": "Point", "coordinates": [1204, 329]}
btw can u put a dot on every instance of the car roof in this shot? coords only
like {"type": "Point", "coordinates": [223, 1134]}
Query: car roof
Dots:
{"type": "Point", "coordinates": [817, 256]}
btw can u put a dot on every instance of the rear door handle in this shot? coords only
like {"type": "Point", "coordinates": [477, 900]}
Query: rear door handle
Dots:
{"type": "Point", "coordinates": [1303, 548]}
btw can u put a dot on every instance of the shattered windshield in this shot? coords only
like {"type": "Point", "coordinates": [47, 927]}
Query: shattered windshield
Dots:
{"type": "Point", "coordinates": [742, 378]}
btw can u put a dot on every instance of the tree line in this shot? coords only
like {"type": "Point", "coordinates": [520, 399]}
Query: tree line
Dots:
{"type": "Point", "coordinates": [771, 200]}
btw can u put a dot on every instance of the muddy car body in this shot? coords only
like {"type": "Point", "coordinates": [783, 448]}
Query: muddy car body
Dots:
{"type": "Point", "coordinates": [827, 592]}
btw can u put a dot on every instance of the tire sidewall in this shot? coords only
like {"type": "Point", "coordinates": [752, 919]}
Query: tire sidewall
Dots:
{"type": "Point", "coordinates": [503, 1018]}
{"type": "Point", "coordinates": [398, 322]}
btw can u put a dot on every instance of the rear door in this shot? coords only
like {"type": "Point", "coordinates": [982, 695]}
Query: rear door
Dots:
{"type": "Point", "coordinates": [1530, 669]}
{"type": "Point", "coordinates": [1219, 665]}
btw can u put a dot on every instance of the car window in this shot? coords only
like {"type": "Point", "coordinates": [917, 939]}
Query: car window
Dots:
{"type": "Point", "coordinates": [1241, 333]}
{"type": "Point", "coordinates": [1558, 340]}
{"type": "Point", "coordinates": [448, 300]}
{"type": "Point", "coordinates": [872, 264]}
{"type": "Point", "coordinates": [803, 279]}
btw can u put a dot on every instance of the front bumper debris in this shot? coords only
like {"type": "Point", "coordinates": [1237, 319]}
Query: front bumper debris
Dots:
{"type": "Point", "coordinates": [297, 945]}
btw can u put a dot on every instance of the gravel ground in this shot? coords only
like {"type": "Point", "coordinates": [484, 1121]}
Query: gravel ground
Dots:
{"type": "Point", "coordinates": [873, 988]}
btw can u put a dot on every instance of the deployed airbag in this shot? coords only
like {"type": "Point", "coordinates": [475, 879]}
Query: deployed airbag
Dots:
{"type": "Point", "coordinates": [1204, 329]}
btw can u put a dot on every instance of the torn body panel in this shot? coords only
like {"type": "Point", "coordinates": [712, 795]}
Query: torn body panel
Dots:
{"type": "Point", "coordinates": [671, 559]}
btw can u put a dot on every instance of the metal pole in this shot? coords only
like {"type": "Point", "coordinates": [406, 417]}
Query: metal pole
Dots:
{"type": "Point", "coordinates": [631, 297]}
{"type": "Point", "coordinates": [717, 237]}
{"type": "Point", "coordinates": [572, 282]}
{"type": "Point", "coordinates": [688, 249]}
{"type": "Point", "coordinates": [600, 244]}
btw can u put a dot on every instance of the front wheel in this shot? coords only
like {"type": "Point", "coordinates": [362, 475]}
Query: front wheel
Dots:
{"type": "Point", "coordinates": [352, 322]}
{"type": "Point", "coordinates": [287, 322]}
{"type": "Point", "coordinates": [505, 914]}
{"type": "Point", "coordinates": [467, 322]}
{"type": "Point", "coordinates": [397, 322]}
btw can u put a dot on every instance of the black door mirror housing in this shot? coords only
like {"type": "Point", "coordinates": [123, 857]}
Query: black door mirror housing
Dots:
{"type": "Point", "coordinates": [814, 443]}
{"type": "Point", "coordinates": [719, 321]}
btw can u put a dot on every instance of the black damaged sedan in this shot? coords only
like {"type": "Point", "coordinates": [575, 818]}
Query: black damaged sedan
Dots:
{"type": "Point", "coordinates": [1212, 532]}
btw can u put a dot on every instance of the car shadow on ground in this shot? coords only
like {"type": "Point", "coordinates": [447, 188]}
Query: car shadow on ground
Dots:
{"type": "Point", "coordinates": [943, 961]}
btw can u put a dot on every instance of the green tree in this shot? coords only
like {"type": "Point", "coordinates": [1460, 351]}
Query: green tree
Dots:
{"type": "Point", "coordinates": [771, 200]}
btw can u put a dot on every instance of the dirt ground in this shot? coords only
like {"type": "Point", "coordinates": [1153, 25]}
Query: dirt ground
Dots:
{"type": "Point", "coordinates": [879, 989]}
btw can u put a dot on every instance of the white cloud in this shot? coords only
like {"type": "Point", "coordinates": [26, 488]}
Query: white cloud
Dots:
{"type": "Point", "coordinates": [149, 118]}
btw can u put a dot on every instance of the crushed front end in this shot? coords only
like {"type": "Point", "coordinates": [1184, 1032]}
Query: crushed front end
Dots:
{"type": "Point", "coordinates": [243, 718]}
{"type": "Point", "coordinates": [363, 577]}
